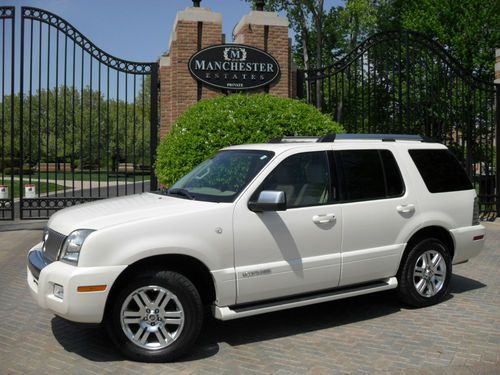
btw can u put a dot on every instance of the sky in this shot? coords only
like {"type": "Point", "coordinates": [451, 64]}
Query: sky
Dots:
{"type": "Point", "coordinates": [137, 30]}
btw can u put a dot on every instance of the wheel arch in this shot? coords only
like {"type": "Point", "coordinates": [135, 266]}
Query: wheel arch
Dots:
{"type": "Point", "coordinates": [433, 231]}
{"type": "Point", "coordinates": [194, 269]}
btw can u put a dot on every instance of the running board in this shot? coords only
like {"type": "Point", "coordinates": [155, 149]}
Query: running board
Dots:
{"type": "Point", "coordinates": [227, 313]}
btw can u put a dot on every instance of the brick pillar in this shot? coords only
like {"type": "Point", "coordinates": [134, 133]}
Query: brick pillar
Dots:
{"type": "Point", "coordinates": [178, 89]}
{"type": "Point", "coordinates": [269, 32]}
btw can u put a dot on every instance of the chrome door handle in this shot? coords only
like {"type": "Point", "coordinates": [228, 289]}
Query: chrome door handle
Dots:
{"type": "Point", "coordinates": [406, 208]}
{"type": "Point", "coordinates": [323, 218]}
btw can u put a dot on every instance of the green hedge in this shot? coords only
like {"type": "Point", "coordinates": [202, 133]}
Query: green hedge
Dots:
{"type": "Point", "coordinates": [231, 120]}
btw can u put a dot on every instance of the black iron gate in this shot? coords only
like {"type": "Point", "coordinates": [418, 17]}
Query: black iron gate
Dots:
{"type": "Point", "coordinates": [81, 124]}
{"type": "Point", "coordinates": [7, 27]}
{"type": "Point", "coordinates": [405, 82]}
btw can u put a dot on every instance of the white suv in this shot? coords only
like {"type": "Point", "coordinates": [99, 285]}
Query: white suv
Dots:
{"type": "Point", "coordinates": [260, 228]}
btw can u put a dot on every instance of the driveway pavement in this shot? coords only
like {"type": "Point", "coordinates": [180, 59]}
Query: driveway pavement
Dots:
{"type": "Point", "coordinates": [363, 335]}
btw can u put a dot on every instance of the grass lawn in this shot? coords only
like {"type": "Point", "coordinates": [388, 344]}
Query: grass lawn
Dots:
{"type": "Point", "coordinates": [86, 176]}
{"type": "Point", "coordinates": [43, 187]}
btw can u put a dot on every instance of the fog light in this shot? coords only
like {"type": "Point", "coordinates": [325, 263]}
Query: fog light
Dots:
{"type": "Point", "coordinates": [58, 291]}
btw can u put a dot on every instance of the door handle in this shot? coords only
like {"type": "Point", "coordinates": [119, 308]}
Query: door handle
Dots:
{"type": "Point", "coordinates": [406, 208]}
{"type": "Point", "coordinates": [323, 218]}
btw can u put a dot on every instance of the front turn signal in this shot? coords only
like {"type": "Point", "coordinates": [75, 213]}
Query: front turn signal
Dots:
{"type": "Point", "coordinates": [91, 288]}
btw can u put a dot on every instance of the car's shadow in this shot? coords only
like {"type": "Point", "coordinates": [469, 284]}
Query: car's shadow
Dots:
{"type": "Point", "coordinates": [92, 342]}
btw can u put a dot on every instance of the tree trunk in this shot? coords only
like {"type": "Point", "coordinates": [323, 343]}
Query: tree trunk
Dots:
{"type": "Point", "coordinates": [319, 52]}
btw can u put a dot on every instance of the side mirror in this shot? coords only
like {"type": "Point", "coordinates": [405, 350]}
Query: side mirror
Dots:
{"type": "Point", "coordinates": [269, 200]}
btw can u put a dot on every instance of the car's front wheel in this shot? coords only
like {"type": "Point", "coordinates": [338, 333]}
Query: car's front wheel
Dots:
{"type": "Point", "coordinates": [425, 274]}
{"type": "Point", "coordinates": [156, 317]}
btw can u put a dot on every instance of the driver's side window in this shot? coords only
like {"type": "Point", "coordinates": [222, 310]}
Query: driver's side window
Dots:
{"type": "Point", "coordinates": [304, 177]}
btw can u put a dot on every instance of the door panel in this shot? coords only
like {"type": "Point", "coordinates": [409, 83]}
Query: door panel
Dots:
{"type": "Point", "coordinates": [285, 253]}
{"type": "Point", "coordinates": [382, 214]}
{"type": "Point", "coordinates": [294, 251]}
{"type": "Point", "coordinates": [372, 246]}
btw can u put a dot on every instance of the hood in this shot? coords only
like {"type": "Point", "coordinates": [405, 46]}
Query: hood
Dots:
{"type": "Point", "coordinates": [109, 212]}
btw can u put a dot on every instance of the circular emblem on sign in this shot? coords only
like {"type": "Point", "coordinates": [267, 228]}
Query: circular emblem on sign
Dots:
{"type": "Point", "coordinates": [234, 67]}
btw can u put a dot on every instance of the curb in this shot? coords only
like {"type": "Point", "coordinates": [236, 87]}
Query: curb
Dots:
{"type": "Point", "coordinates": [18, 225]}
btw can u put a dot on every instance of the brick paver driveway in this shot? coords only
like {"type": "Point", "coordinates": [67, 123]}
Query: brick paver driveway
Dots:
{"type": "Point", "coordinates": [368, 334]}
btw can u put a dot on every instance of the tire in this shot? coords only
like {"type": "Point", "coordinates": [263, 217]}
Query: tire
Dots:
{"type": "Point", "coordinates": [137, 320]}
{"type": "Point", "coordinates": [424, 276]}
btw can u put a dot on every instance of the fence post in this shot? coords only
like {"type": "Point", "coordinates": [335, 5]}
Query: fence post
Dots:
{"type": "Point", "coordinates": [300, 83]}
{"type": "Point", "coordinates": [497, 128]}
{"type": "Point", "coordinates": [153, 121]}
{"type": "Point", "coordinates": [497, 146]}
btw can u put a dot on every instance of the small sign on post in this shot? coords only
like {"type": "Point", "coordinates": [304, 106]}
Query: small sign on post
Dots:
{"type": "Point", "coordinates": [4, 192]}
{"type": "Point", "coordinates": [29, 191]}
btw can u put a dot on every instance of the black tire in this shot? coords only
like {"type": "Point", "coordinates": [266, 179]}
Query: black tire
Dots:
{"type": "Point", "coordinates": [408, 281]}
{"type": "Point", "coordinates": [186, 295]}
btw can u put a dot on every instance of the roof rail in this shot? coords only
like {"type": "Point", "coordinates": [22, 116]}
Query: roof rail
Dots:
{"type": "Point", "coordinates": [293, 139]}
{"type": "Point", "coordinates": [332, 137]}
{"type": "Point", "coordinates": [387, 137]}
{"type": "Point", "coordinates": [381, 137]}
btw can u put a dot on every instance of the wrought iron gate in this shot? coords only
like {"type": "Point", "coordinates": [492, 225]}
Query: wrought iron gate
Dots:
{"type": "Point", "coordinates": [7, 22]}
{"type": "Point", "coordinates": [405, 82]}
{"type": "Point", "coordinates": [83, 125]}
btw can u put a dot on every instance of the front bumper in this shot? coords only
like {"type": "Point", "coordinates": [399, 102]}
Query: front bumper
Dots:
{"type": "Point", "coordinates": [469, 241]}
{"type": "Point", "coordinates": [84, 307]}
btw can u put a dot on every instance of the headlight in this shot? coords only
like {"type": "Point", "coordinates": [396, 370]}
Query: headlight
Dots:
{"type": "Point", "coordinates": [72, 245]}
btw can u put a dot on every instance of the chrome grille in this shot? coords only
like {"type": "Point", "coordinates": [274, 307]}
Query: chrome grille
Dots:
{"type": "Point", "coordinates": [52, 245]}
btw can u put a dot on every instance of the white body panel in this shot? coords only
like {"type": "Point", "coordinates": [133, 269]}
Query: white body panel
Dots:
{"type": "Point", "coordinates": [132, 228]}
{"type": "Point", "coordinates": [87, 307]}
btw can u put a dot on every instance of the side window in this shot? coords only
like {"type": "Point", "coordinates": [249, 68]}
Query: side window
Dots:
{"type": "Point", "coordinates": [440, 170]}
{"type": "Point", "coordinates": [305, 179]}
{"type": "Point", "coordinates": [368, 175]}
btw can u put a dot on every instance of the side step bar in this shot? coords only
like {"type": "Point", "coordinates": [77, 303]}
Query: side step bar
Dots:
{"type": "Point", "coordinates": [228, 313]}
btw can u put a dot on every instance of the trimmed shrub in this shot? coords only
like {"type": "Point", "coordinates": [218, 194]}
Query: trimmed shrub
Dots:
{"type": "Point", "coordinates": [212, 124]}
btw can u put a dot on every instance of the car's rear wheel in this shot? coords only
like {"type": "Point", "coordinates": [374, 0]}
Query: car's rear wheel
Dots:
{"type": "Point", "coordinates": [156, 317]}
{"type": "Point", "coordinates": [424, 276]}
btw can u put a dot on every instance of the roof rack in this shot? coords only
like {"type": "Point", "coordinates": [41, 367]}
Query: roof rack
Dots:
{"type": "Point", "coordinates": [332, 137]}
{"type": "Point", "coordinates": [294, 139]}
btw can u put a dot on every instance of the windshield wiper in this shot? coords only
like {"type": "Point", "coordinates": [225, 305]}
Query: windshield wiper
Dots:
{"type": "Point", "coordinates": [181, 192]}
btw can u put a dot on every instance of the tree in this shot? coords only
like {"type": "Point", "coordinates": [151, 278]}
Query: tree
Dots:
{"type": "Point", "coordinates": [305, 16]}
{"type": "Point", "coordinates": [83, 128]}
{"type": "Point", "coordinates": [469, 28]}
{"type": "Point", "coordinates": [212, 124]}
{"type": "Point", "coordinates": [358, 20]}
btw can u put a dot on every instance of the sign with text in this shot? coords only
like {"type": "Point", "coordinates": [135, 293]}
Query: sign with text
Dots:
{"type": "Point", "coordinates": [234, 67]}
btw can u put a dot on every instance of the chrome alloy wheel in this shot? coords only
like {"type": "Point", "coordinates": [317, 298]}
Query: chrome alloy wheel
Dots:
{"type": "Point", "coordinates": [152, 317]}
{"type": "Point", "coordinates": [429, 274]}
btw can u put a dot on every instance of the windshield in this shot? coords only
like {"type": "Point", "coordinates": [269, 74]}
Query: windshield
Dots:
{"type": "Point", "coordinates": [223, 177]}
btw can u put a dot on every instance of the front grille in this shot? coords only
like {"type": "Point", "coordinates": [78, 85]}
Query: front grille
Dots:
{"type": "Point", "coordinates": [52, 245]}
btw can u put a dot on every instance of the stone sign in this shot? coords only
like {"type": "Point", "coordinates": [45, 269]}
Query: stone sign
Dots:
{"type": "Point", "coordinates": [234, 67]}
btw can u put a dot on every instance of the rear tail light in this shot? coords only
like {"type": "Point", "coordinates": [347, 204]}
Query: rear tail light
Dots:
{"type": "Point", "coordinates": [475, 212]}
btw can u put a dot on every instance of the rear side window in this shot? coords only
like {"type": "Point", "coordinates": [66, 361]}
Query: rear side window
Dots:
{"type": "Point", "coordinates": [367, 175]}
{"type": "Point", "coordinates": [440, 170]}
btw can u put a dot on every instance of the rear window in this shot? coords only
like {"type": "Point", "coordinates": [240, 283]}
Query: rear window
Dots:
{"type": "Point", "coordinates": [440, 170]}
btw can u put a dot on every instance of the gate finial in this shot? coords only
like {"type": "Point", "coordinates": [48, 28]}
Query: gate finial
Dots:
{"type": "Point", "coordinates": [259, 4]}
{"type": "Point", "coordinates": [196, 3]}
